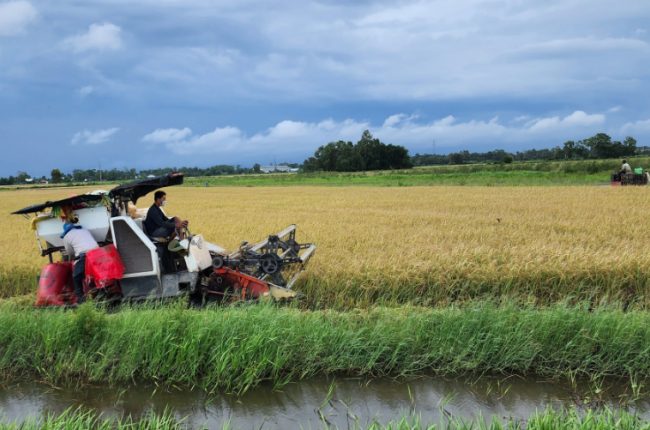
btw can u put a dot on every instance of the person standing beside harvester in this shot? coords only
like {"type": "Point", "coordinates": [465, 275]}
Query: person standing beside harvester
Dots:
{"type": "Point", "coordinates": [77, 242]}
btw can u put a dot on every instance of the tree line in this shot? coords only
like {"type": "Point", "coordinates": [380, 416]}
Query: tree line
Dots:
{"type": "Point", "coordinates": [94, 175]}
{"type": "Point", "coordinates": [599, 146]}
{"type": "Point", "coordinates": [367, 154]}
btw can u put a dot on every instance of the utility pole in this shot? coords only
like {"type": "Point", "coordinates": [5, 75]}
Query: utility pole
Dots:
{"type": "Point", "coordinates": [433, 155]}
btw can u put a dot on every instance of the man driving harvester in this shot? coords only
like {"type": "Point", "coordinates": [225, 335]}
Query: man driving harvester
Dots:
{"type": "Point", "coordinates": [158, 225]}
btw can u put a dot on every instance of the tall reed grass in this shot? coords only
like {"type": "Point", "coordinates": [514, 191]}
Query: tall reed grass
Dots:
{"type": "Point", "coordinates": [238, 347]}
{"type": "Point", "coordinates": [80, 420]}
{"type": "Point", "coordinates": [548, 419]}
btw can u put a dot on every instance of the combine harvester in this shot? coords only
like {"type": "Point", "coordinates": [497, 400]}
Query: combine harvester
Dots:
{"type": "Point", "coordinates": [202, 271]}
{"type": "Point", "coordinates": [638, 177]}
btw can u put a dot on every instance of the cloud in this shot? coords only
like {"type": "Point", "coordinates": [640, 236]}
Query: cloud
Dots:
{"type": "Point", "coordinates": [293, 137]}
{"type": "Point", "coordinates": [15, 16]}
{"type": "Point", "coordinates": [100, 37]}
{"type": "Point", "coordinates": [167, 135]}
{"type": "Point", "coordinates": [614, 109]}
{"type": "Point", "coordinates": [636, 127]}
{"type": "Point", "coordinates": [393, 119]}
{"type": "Point", "coordinates": [93, 138]}
{"type": "Point", "coordinates": [226, 139]}
{"type": "Point", "coordinates": [584, 45]}
{"type": "Point", "coordinates": [521, 118]}
{"type": "Point", "coordinates": [577, 118]}
{"type": "Point", "coordinates": [640, 32]}
{"type": "Point", "coordinates": [84, 91]}
{"type": "Point", "coordinates": [175, 63]}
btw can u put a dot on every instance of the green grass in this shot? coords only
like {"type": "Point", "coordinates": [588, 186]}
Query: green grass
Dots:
{"type": "Point", "coordinates": [548, 419]}
{"type": "Point", "coordinates": [536, 173]}
{"type": "Point", "coordinates": [581, 172]}
{"type": "Point", "coordinates": [79, 420]}
{"type": "Point", "coordinates": [405, 179]}
{"type": "Point", "coordinates": [237, 347]}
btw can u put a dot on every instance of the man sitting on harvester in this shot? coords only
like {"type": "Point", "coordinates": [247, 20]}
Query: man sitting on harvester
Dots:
{"type": "Point", "coordinates": [625, 168]}
{"type": "Point", "coordinates": [158, 225]}
{"type": "Point", "coordinates": [77, 242]}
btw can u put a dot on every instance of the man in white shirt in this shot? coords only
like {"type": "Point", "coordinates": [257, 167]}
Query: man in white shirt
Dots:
{"type": "Point", "coordinates": [626, 167]}
{"type": "Point", "coordinates": [77, 242]}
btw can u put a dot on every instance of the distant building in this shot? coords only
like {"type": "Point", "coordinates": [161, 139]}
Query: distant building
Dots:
{"type": "Point", "coordinates": [43, 181]}
{"type": "Point", "coordinates": [267, 169]}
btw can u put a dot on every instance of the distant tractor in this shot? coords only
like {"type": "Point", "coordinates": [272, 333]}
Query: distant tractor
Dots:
{"type": "Point", "coordinates": [639, 177]}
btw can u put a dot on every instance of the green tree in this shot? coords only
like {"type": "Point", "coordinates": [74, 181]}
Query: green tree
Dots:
{"type": "Point", "coordinates": [629, 146]}
{"type": "Point", "coordinates": [569, 149]}
{"type": "Point", "coordinates": [21, 176]}
{"type": "Point", "coordinates": [56, 176]}
{"type": "Point", "coordinates": [456, 158]}
{"type": "Point", "coordinates": [508, 159]}
{"type": "Point", "coordinates": [256, 168]}
{"type": "Point", "coordinates": [368, 154]}
{"type": "Point", "coordinates": [601, 146]}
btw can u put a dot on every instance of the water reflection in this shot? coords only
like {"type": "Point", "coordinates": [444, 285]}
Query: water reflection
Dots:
{"type": "Point", "coordinates": [299, 404]}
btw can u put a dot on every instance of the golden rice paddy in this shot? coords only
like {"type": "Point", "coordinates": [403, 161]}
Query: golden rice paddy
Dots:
{"type": "Point", "coordinates": [422, 244]}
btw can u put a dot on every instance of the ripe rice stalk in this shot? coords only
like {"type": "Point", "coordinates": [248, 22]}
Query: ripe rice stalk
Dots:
{"type": "Point", "coordinates": [428, 245]}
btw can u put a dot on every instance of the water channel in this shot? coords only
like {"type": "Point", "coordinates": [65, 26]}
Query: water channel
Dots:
{"type": "Point", "coordinates": [298, 405]}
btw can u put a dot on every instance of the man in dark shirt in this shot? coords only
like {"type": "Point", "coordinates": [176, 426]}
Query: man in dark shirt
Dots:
{"type": "Point", "coordinates": [157, 224]}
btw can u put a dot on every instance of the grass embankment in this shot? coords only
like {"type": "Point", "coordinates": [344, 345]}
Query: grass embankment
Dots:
{"type": "Point", "coordinates": [546, 420]}
{"type": "Point", "coordinates": [581, 172]}
{"type": "Point", "coordinates": [530, 173]}
{"type": "Point", "coordinates": [237, 347]}
{"type": "Point", "coordinates": [431, 245]}
{"type": "Point", "coordinates": [443, 176]}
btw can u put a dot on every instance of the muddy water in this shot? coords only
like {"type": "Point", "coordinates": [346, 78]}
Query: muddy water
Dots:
{"type": "Point", "coordinates": [297, 405]}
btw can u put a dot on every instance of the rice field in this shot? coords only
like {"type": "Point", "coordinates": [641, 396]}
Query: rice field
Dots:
{"type": "Point", "coordinates": [425, 245]}
{"type": "Point", "coordinates": [405, 281]}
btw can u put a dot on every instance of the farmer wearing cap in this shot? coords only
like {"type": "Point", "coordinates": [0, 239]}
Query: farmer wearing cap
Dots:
{"type": "Point", "coordinates": [77, 242]}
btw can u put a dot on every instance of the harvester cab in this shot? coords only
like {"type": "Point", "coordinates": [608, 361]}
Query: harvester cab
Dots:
{"type": "Point", "coordinates": [194, 267]}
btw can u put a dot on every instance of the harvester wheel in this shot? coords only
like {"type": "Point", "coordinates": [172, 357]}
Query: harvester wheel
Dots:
{"type": "Point", "coordinates": [217, 262]}
{"type": "Point", "coordinates": [269, 264]}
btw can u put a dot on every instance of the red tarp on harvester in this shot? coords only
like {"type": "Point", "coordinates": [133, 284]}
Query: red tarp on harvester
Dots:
{"type": "Point", "coordinates": [104, 266]}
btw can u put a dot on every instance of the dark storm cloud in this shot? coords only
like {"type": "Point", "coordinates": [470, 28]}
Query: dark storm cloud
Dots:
{"type": "Point", "coordinates": [282, 78]}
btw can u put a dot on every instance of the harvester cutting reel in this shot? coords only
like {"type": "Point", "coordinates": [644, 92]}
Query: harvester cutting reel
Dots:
{"type": "Point", "coordinates": [261, 270]}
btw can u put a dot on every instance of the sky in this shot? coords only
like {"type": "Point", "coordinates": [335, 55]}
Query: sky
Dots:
{"type": "Point", "coordinates": [170, 83]}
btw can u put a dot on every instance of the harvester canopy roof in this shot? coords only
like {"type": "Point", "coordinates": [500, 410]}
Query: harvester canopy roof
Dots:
{"type": "Point", "coordinates": [133, 191]}
{"type": "Point", "coordinates": [70, 201]}
{"type": "Point", "coordinates": [136, 189]}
